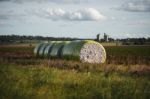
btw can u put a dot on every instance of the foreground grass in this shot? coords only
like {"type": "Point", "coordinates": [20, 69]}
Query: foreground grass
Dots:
{"type": "Point", "coordinates": [21, 82]}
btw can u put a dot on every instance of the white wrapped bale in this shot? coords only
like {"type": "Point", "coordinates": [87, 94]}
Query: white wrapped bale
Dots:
{"type": "Point", "coordinates": [85, 51]}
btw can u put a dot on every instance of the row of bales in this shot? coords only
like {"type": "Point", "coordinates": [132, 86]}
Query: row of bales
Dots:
{"type": "Point", "coordinates": [83, 50]}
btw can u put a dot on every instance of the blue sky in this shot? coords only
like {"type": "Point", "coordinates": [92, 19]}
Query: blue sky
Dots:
{"type": "Point", "coordinates": [75, 18]}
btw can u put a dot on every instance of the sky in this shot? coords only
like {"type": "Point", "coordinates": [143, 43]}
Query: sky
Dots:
{"type": "Point", "coordinates": [75, 18]}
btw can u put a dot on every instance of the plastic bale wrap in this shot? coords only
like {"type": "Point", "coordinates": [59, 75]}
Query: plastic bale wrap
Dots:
{"type": "Point", "coordinates": [48, 49]}
{"type": "Point", "coordinates": [56, 49]}
{"type": "Point", "coordinates": [85, 51]}
{"type": "Point", "coordinates": [42, 49]}
{"type": "Point", "coordinates": [72, 50]}
{"type": "Point", "coordinates": [82, 50]}
{"type": "Point", "coordinates": [37, 49]}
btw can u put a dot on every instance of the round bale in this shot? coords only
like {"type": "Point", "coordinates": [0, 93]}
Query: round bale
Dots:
{"type": "Point", "coordinates": [42, 49]}
{"type": "Point", "coordinates": [56, 49]}
{"type": "Point", "coordinates": [37, 49]}
{"type": "Point", "coordinates": [85, 51]}
{"type": "Point", "coordinates": [48, 49]}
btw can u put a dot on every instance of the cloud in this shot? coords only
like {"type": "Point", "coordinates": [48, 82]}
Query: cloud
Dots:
{"type": "Point", "coordinates": [139, 23]}
{"type": "Point", "coordinates": [12, 15]}
{"type": "Point", "coordinates": [51, 1]}
{"type": "Point", "coordinates": [4, 0]}
{"type": "Point", "coordinates": [89, 14]}
{"type": "Point", "coordinates": [137, 6]}
{"type": "Point", "coordinates": [57, 14]}
{"type": "Point", "coordinates": [4, 23]}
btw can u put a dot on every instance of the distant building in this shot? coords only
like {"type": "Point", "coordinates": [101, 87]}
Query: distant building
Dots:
{"type": "Point", "coordinates": [105, 37]}
{"type": "Point", "coordinates": [98, 37]}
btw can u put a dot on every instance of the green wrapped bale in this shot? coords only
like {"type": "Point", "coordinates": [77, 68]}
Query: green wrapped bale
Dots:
{"type": "Point", "coordinates": [82, 50]}
{"type": "Point", "coordinates": [42, 49]}
{"type": "Point", "coordinates": [48, 49]}
{"type": "Point", "coordinates": [72, 50]}
{"type": "Point", "coordinates": [56, 49]}
{"type": "Point", "coordinates": [85, 51]}
{"type": "Point", "coordinates": [37, 49]}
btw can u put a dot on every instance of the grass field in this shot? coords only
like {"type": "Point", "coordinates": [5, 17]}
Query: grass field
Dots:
{"type": "Point", "coordinates": [125, 75]}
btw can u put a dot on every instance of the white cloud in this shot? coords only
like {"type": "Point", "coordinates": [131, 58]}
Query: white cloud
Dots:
{"type": "Point", "coordinates": [89, 14]}
{"type": "Point", "coordinates": [137, 6]}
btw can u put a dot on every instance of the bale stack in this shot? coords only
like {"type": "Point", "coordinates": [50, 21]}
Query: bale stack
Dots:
{"type": "Point", "coordinates": [83, 50]}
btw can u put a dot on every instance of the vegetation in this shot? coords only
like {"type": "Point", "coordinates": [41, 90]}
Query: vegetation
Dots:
{"type": "Point", "coordinates": [125, 75]}
{"type": "Point", "coordinates": [128, 54]}
{"type": "Point", "coordinates": [51, 83]}
{"type": "Point", "coordinates": [15, 39]}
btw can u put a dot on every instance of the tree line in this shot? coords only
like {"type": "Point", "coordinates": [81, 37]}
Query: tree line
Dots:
{"type": "Point", "coordinates": [4, 39]}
